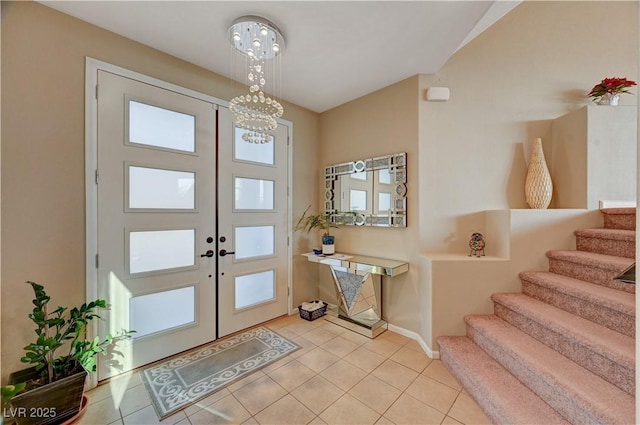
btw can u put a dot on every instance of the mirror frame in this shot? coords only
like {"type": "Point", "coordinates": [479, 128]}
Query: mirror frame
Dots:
{"type": "Point", "coordinates": [396, 164]}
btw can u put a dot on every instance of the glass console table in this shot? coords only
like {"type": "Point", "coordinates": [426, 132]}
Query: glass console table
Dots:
{"type": "Point", "coordinates": [357, 280]}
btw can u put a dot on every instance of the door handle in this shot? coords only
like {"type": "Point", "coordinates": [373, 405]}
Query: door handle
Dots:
{"type": "Point", "coordinates": [207, 254]}
{"type": "Point", "coordinates": [224, 252]}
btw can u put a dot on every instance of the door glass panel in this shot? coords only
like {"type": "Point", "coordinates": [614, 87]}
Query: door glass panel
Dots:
{"type": "Point", "coordinates": [253, 194]}
{"type": "Point", "coordinates": [254, 289]}
{"type": "Point", "coordinates": [262, 153]}
{"type": "Point", "coordinates": [358, 200]}
{"type": "Point", "coordinates": [161, 250]}
{"type": "Point", "coordinates": [158, 188]}
{"type": "Point", "coordinates": [148, 313]}
{"type": "Point", "coordinates": [384, 176]}
{"type": "Point", "coordinates": [254, 241]}
{"type": "Point", "coordinates": [159, 127]}
{"type": "Point", "coordinates": [384, 201]}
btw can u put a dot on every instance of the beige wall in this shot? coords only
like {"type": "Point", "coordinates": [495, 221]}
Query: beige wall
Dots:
{"type": "Point", "coordinates": [507, 85]}
{"type": "Point", "coordinates": [381, 123]}
{"type": "Point", "coordinates": [594, 156]}
{"type": "Point", "coordinates": [534, 65]}
{"type": "Point", "coordinates": [43, 205]}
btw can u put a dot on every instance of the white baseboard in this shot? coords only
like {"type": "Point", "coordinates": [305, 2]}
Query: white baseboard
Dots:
{"type": "Point", "coordinates": [404, 332]}
{"type": "Point", "coordinates": [410, 334]}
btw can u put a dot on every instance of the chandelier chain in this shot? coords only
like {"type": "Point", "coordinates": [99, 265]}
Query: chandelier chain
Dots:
{"type": "Point", "coordinates": [259, 40]}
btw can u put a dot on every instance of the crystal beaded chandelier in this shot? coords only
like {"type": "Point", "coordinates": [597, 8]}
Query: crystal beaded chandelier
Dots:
{"type": "Point", "coordinates": [260, 41]}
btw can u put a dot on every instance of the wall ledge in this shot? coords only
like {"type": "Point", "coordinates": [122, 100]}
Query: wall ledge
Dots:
{"type": "Point", "coordinates": [499, 229]}
{"type": "Point", "coordinates": [439, 256]}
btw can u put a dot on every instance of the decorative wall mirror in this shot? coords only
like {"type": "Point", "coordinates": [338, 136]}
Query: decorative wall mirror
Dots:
{"type": "Point", "coordinates": [368, 192]}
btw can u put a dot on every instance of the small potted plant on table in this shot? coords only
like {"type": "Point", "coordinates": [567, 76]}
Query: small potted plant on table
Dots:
{"type": "Point", "coordinates": [52, 391]}
{"type": "Point", "coordinates": [321, 221]}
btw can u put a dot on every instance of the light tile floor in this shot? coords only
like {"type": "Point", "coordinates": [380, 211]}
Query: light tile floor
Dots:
{"type": "Point", "coordinates": [337, 377]}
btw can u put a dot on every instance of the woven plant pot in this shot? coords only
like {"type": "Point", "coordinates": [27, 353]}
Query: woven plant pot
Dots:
{"type": "Point", "coordinates": [49, 404]}
{"type": "Point", "coordinates": [538, 187]}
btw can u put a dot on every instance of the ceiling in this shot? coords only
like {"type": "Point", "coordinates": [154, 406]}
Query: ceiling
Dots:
{"type": "Point", "coordinates": [336, 51]}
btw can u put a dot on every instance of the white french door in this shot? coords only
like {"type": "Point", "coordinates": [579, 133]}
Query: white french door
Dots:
{"type": "Point", "coordinates": [156, 183]}
{"type": "Point", "coordinates": [190, 222]}
{"type": "Point", "coordinates": [253, 224]}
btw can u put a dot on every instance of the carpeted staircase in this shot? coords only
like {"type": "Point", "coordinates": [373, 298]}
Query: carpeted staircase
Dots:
{"type": "Point", "coordinates": [563, 350]}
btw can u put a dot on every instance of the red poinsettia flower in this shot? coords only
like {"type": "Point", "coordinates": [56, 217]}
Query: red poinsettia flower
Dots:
{"type": "Point", "coordinates": [612, 86]}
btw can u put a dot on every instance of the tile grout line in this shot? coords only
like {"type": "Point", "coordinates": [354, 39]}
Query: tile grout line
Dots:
{"type": "Point", "coordinates": [451, 407]}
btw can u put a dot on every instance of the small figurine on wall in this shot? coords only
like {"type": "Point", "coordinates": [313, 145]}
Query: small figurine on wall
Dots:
{"type": "Point", "coordinates": [476, 243]}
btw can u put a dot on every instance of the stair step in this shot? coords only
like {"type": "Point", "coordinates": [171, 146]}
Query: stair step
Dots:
{"type": "Point", "coordinates": [608, 354]}
{"type": "Point", "coordinates": [504, 399]}
{"type": "Point", "coordinates": [577, 394]}
{"type": "Point", "coordinates": [605, 306]}
{"type": "Point", "coordinates": [619, 218]}
{"type": "Point", "coordinates": [595, 268]}
{"type": "Point", "coordinates": [616, 242]}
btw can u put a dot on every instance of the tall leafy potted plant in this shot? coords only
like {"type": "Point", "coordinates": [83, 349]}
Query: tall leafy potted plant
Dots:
{"type": "Point", "coordinates": [51, 391]}
{"type": "Point", "coordinates": [320, 221]}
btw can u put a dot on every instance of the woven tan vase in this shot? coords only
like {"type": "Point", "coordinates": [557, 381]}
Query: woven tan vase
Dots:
{"type": "Point", "coordinates": [538, 187]}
